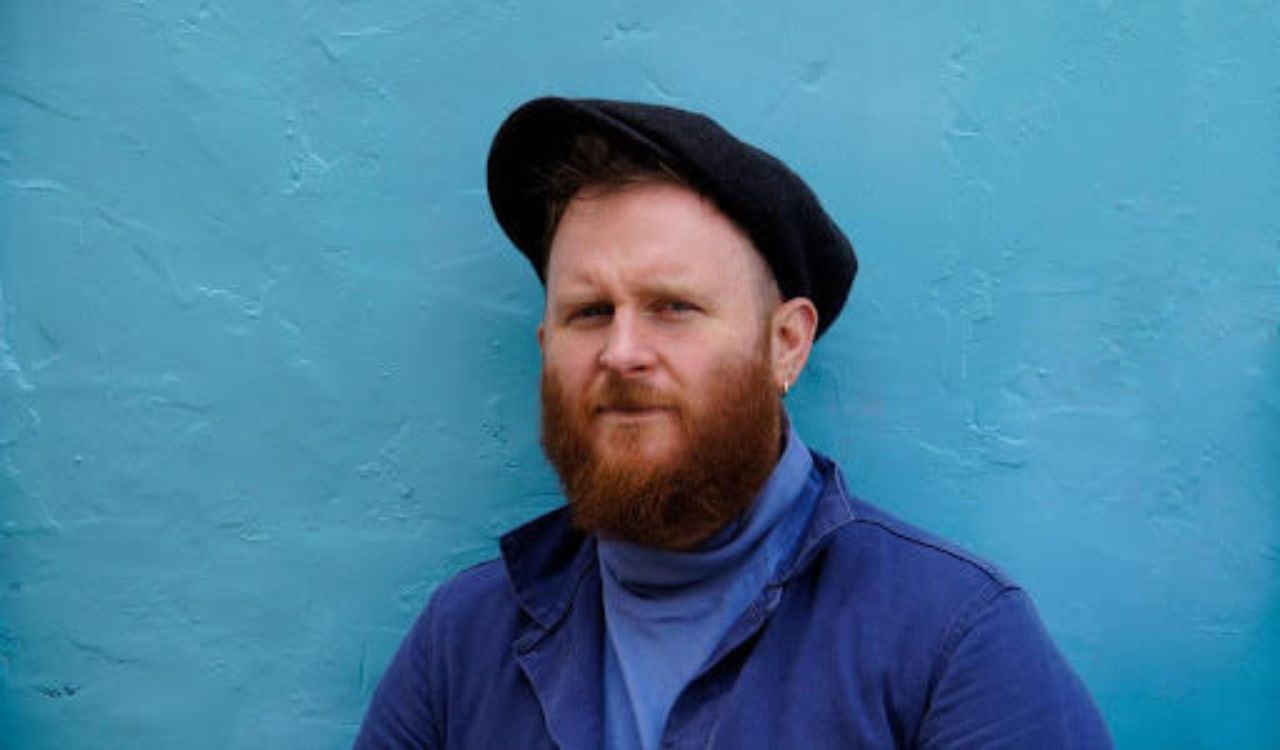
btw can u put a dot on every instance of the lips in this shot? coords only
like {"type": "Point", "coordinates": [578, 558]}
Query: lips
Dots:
{"type": "Point", "coordinates": [632, 410]}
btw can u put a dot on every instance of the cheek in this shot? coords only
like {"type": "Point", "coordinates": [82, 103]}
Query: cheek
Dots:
{"type": "Point", "coordinates": [697, 365]}
{"type": "Point", "coordinates": [571, 365]}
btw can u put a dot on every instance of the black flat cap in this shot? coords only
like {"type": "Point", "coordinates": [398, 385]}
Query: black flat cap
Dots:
{"type": "Point", "coordinates": [809, 255]}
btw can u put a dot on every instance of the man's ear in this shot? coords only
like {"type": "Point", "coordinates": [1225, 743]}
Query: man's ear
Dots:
{"type": "Point", "coordinates": [794, 324]}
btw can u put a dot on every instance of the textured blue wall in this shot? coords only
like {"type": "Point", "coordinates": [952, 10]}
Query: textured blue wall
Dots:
{"type": "Point", "coordinates": [267, 366]}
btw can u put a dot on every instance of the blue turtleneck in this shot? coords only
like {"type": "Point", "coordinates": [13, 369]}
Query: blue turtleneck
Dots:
{"type": "Point", "coordinates": [665, 612]}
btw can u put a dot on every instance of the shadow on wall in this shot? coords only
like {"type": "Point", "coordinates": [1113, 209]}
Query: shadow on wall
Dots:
{"type": "Point", "coordinates": [1268, 448]}
{"type": "Point", "coordinates": [1265, 666]}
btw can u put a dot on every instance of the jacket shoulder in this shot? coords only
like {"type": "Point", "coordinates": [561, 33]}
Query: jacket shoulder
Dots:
{"type": "Point", "coordinates": [846, 528]}
{"type": "Point", "coordinates": [447, 664]}
{"type": "Point", "coordinates": [908, 583]}
{"type": "Point", "coordinates": [910, 543]}
{"type": "Point", "coordinates": [480, 585]}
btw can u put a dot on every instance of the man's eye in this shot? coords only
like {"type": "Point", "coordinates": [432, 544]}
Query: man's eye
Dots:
{"type": "Point", "coordinates": [676, 306]}
{"type": "Point", "coordinates": [587, 312]}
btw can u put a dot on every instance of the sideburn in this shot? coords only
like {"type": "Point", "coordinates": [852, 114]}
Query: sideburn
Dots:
{"type": "Point", "coordinates": [732, 445]}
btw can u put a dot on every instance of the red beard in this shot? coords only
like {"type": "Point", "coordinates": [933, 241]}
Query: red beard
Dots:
{"type": "Point", "coordinates": [730, 446]}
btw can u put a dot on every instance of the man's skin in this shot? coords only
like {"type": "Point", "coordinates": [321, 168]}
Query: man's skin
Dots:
{"type": "Point", "coordinates": [650, 282]}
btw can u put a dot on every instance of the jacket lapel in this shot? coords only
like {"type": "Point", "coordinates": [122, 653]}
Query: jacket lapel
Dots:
{"type": "Point", "coordinates": [554, 575]}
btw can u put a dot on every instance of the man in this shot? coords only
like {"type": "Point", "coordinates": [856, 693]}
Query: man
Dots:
{"type": "Point", "coordinates": [712, 582]}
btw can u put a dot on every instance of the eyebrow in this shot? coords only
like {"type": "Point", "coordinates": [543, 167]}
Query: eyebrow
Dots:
{"type": "Point", "coordinates": [575, 292]}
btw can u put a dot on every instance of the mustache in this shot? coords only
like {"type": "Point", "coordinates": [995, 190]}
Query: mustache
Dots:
{"type": "Point", "coordinates": [630, 395]}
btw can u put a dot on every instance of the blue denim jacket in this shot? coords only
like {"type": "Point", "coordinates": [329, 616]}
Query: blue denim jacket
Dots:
{"type": "Point", "coordinates": [875, 635]}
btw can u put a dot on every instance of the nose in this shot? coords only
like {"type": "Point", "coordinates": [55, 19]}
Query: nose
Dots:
{"type": "Point", "coordinates": [626, 350]}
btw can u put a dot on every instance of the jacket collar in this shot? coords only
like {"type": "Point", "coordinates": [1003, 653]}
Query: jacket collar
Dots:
{"type": "Point", "coordinates": [546, 560]}
{"type": "Point", "coordinates": [832, 511]}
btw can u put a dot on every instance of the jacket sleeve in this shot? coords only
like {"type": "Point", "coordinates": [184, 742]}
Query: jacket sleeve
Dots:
{"type": "Point", "coordinates": [405, 712]}
{"type": "Point", "coordinates": [1004, 684]}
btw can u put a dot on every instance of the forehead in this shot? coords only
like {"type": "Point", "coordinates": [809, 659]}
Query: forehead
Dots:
{"type": "Point", "coordinates": [652, 231]}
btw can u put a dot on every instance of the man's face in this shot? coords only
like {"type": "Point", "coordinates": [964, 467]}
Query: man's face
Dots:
{"type": "Point", "coordinates": [660, 406]}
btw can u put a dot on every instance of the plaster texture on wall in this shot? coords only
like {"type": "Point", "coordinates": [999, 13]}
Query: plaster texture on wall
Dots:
{"type": "Point", "coordinates": [268, 371]}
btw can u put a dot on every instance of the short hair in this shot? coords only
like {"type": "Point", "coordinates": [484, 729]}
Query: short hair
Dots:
{"type": "Point", "coordinates": [592, 160]}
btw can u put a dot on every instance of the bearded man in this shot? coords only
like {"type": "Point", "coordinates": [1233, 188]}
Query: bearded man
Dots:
{"type": "Point", "coordinates": [711, 582]}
